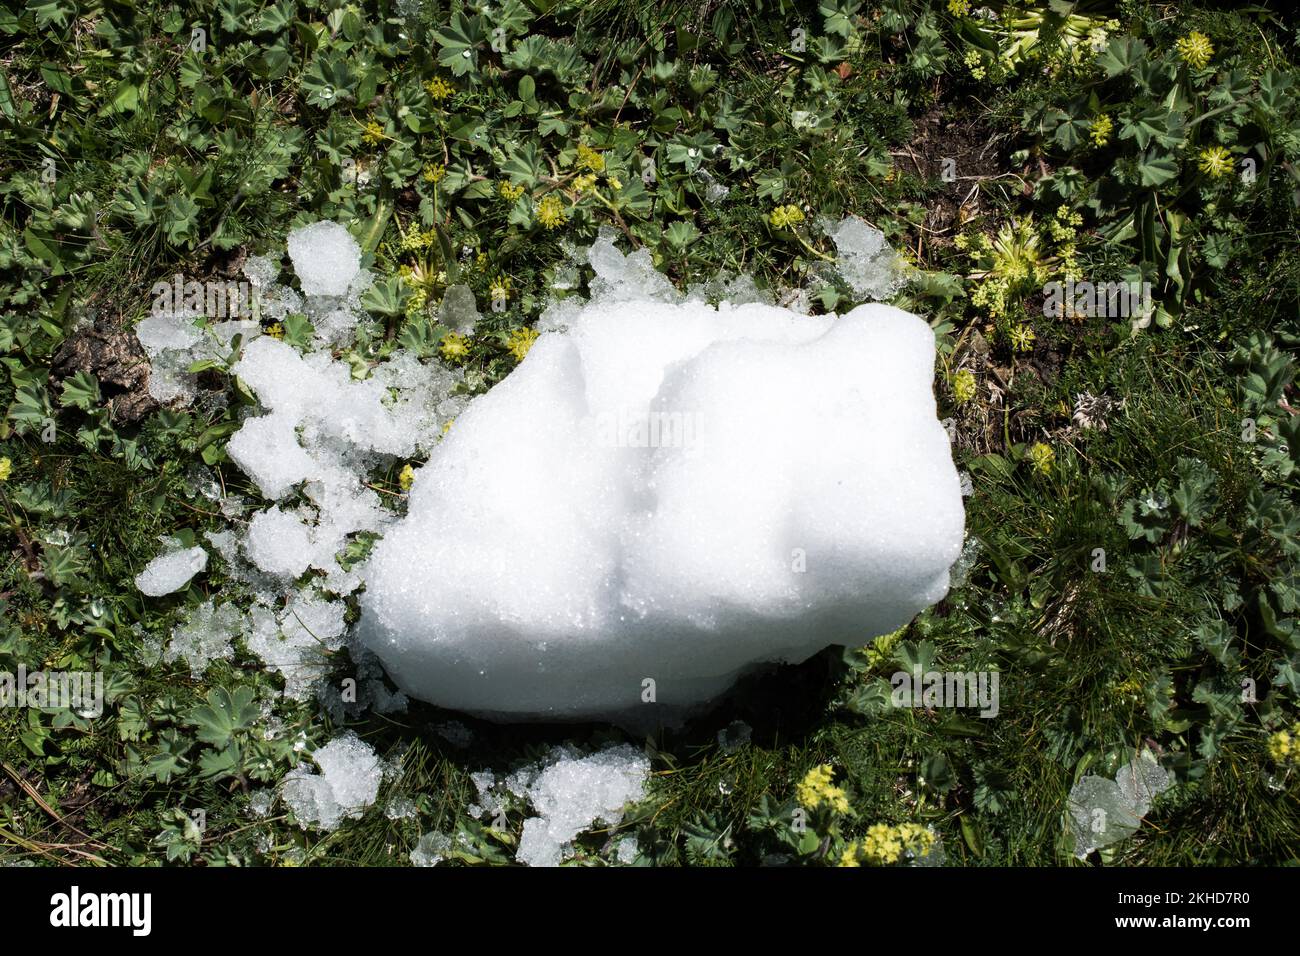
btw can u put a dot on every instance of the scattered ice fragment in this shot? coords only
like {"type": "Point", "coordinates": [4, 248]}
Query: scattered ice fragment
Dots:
{"type": "Point", "coordinates": [278, 543]}
{"type": "Point", "coordinates": [570, 792]}
{"type": "Point", "coordinates": [325, 257]}
{"type": "Point", "coordinates": [734, 736]}
{"type": "Point", "coordinates": [260, 802]}
{"type": "Point", "coordinates": [261, 271]}
{"type": "Point", "coordinates": [630, 277]}
{"type": "Point", "coordinates": [400, 807]}
{"type": "Point", "coordinates": [348, 783]}
{"type": "Point", "coordinates": [167, 330]}
{"type": "Point", "coordinates": [204, 637]}
{"type": "Point", "coordinates": [299, 642]}
{"type": "Point", "coordinates": [1105, 811]}
{"type": "Point", "coordinates": [865, 259]}
{"type": "Point", "coordinates": [626, 850]}
{"type": "Point", "coordinates": [671, 493]}
{"type": "Point", "coordinates": [171, 571]}
{"type": "Point", "coordinates": [429, 851]}
{"type": "Point", "coordinates": [961, 568]}
{"type": "Point", "coordinates": [459, 311]}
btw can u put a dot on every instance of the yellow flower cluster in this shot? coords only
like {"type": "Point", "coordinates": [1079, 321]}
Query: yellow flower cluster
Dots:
{"type": "Point", "coordinates": [1102, 127]}
{"type": "Point", "coordinates": [959, 8]}
{"type": "Point", "coordinates": [589, 159]}
{"type": "Point", "coordinates": [416, 241]}
{"type": "Point", "coordinates": [373, 133]}
{"type": "Point", "coordinates": [519, 341]}
{"type": "Point", "coordinates": [816, 788]}
{"type": "Point", "coordinates": [1215, 162]}
{"type": "Point", "coordinates": [433, 172]}
{"type": "Point", "coordinates": [1022, 338]}
{"type": "Point", "coordinates": [1064, 226]}
{"type": "Point", "coordinates": [1042, 458]}
{"type": "Point", "coordinates": [550, 211]}
{"type": "Point", "coordinates": [454, 347]}
{"type": "Point", "coordinates": [963, 386]}
{"type": "Point", "coordinates": [6, 469]}
{"type": "Point", "coordinates": [1284, 746]}
{"type": "Point", "coordinates": [439, 89]}
{"type": "Point", "coordinates": [1195, 49]}
{"type": "Point", "coordinates": [584, 183]}
{"type": "Point", "coordinates": [884, 845]}
{"type": "Point", "coordinates": [509, 191]}
{"type": "Point", "coordinates": [783, 217]}
{"type": "Point", "coordinates": [500, 288]}
{"type": "Point", "coordinates": [406, 477]}
{"type": "Point", "coordinates": [275, 330]}
{"type": "Point", "coordinates": [975, 63]}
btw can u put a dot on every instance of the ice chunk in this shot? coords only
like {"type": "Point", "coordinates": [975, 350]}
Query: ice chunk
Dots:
{"type": "Point", "coordinates": [348, 783]}
{"type": "Point", "coordinates": [298, 644]}
{"type": "Point", "coordinates": [458, 311]}
{"type": "Point", "coordinates": [626, 850]}
{"type": "Point", "coordinates": [167, 330]}
{"type": "Point", "coordinates": [205, 637]}
{"type": "Point", "coordinates": [278, 542]}
{"type": "Point", "coordinates": [631, 277]}
{"type": "Point", "coordinates": [171, 571]}
{"type": "Point", "coordinates": [864, 258]}
{"type": "Point", "coordinates": [429, 851]}
{"type": "Point", "coordinates": [325, 257]}
{"type": "Point", "coordinates": [570, 792]}
{"type": "Point", "coordinates": [261, 271]}
{"type": "Point", "coordinates": [1105, 811]}
{"type": "Point", "coordinates": [661, 497]}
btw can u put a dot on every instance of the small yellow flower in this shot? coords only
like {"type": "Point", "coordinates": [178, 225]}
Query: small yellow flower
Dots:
{"type": "Point", "coordinates": [439, 89]}
{"type": "Point", "coordinates": [850, 855]}
{"type": "Point", "coordinates": [519, 341]}
{"type": "Point", "coordinates": [1042, 458]}
{"type": "Point", "coordinates": [433, 172]}
{"type": "Point", "coordinates": [275, 330]}
{"type": "Point", "coordinates": [783, 217]}
{"type": "Point", "coordinates": [509, 191]}
{"type": "Point", "coordinates": [373, 133]}
{"type": "Point", "coordinates": [6, 469]}
{"type": "Point", "coordinates": [959, 8]}
{"type": "Point", "coordinates": [406, 477]}
{"type": "Point", "coordinates": [415, 240]}
{"type": "Point", "coordinates": [1195, 49]}
{"type": "Point", "coordinates": [589, 159]}
{"type": "Point", "coordinates": [963, 386]}
{"type": "Point", "coordinates": [500, 288]}
{"type": "Point", "coordinates": [1102, 127]}
{"type": "Point", "coordinates": [1022, 338]}
{"type": "Point", "coordinates": [1284, 747]}
{"type": "Point", "coordinates": [816, 788]}
{"type": "Point", "coordinates": [584, 183]}
{"type": "Point", "coordinates": [882, 845]}
{"type": "Point", "coordinates": [550, 211]}
{"type": "Point", "coordinates": [1215, 162]}
{"type": "Point", "coordinates": [454, 347]}
{"type": "Point", "coordinates": [615, 183]}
